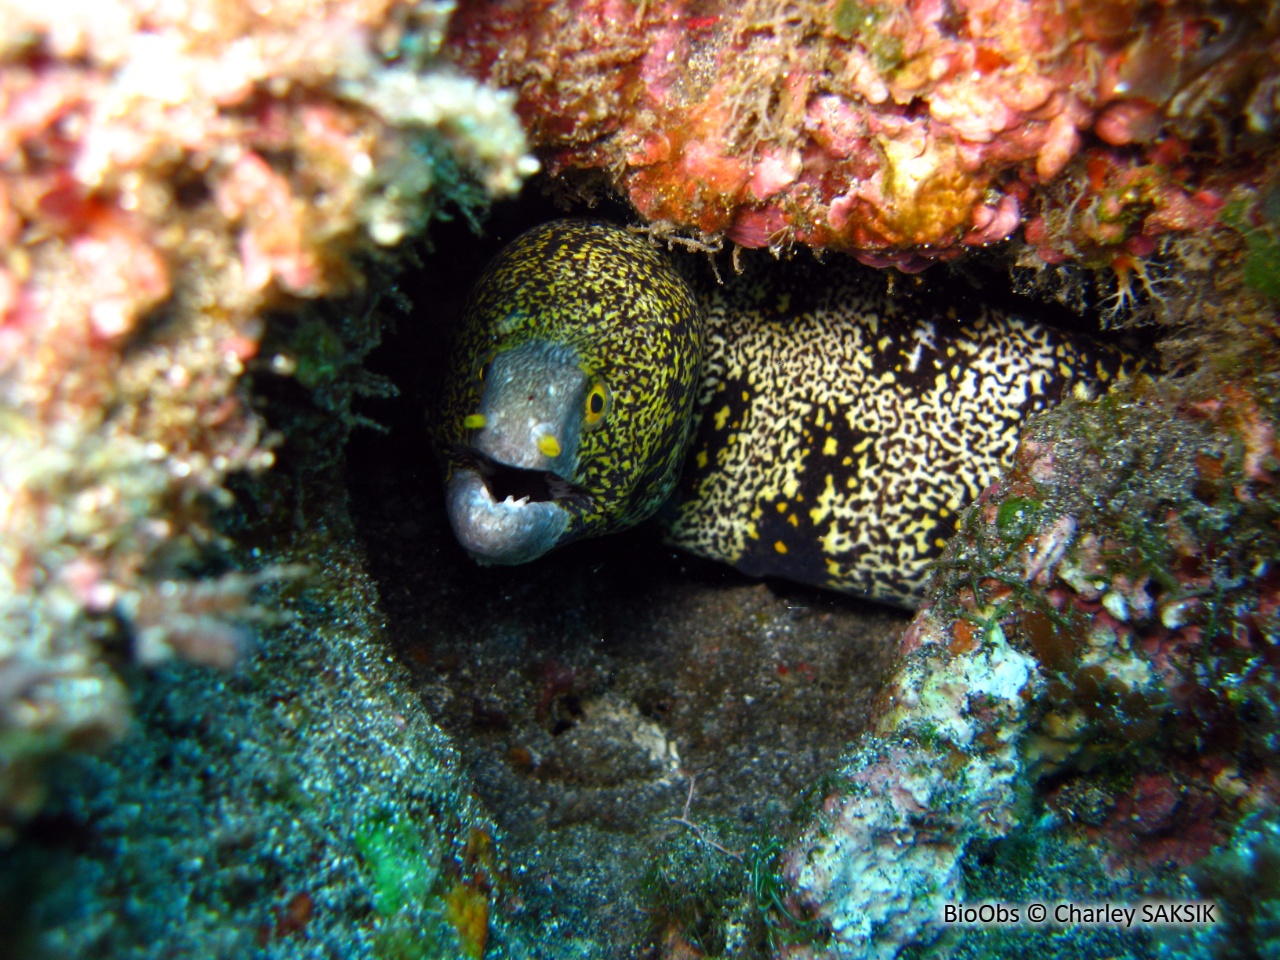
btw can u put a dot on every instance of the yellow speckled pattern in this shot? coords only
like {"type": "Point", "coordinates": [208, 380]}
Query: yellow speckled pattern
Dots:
{"type": "Point", "coordinates": [634, 322]}
{"type": "Point", "coordinates": [842, 430]}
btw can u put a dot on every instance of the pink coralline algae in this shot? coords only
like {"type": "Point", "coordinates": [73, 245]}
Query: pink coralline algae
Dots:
{"type": "Point", "coordinates": [900, 131]}
{"type": "Point", "coordinates": [168, 173]}
{"type": "Point", "coordinates": [1109, 613]}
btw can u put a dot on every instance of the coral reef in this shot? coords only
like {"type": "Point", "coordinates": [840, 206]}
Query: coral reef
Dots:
{"type": "Point", "coordinates": [303, 804]}
{"type": "Point", "coordinates": [898, 131]}
{"type": "Point", "coordinates": [167, 175]}
{"type": "Point", "coordinates": [623, 708]}
{"type": "Point", "coordinates": [1244, 877]}
{"type": "Point", "coordinates": [1092, 686]}
{"type": "Point", "coordinates": [1105, 626]}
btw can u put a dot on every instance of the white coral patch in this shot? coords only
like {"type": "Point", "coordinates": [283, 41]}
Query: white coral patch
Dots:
{"type": "Point", "coordinates": [611, 712]}
{"type": "Point", "coordinates": [994, 674]}
{"type": "Point", "coordinates": [488, 135]}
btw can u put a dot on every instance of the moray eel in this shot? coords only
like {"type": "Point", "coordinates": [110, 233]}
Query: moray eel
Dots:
{"type": "Point", "coordinates": [839, 430]}
{"type": "Point", "coordinates": [570, 402]}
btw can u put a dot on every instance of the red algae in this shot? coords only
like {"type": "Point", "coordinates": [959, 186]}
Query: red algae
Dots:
{"type": "Point", "coordinates": [1130, 653]}
{"type": "Point", "coordinates": [167, 176]}
{"type": "Point", "coordinates": [894, 130]}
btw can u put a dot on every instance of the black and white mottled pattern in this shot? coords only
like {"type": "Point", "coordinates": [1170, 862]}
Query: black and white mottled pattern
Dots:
{"type": "Point", "coordinates": [842, 430]}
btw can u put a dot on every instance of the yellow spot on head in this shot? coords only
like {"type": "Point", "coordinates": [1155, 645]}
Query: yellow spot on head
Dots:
{"type": "Point", "coordinates": [549, 445]}
{"type": "Point", "coordinates": [779, 546]}
{"type": "Point", "coordinates": [829, 448]}
{"type": "Point", "coordinates": [475, 421]}
{"type": "Point", "coordinates": [702, 459]}
{"type": "Point", "coordinates": [782, 507]}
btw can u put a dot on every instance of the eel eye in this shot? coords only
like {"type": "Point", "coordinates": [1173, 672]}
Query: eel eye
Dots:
{"type": "Point", "coordinates": [597, 404]}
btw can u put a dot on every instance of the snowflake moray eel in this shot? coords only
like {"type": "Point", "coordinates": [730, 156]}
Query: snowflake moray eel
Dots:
{"type": "Point", "coordinates": [825, 433]}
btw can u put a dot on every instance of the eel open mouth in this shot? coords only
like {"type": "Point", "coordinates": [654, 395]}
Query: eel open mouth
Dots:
{"type": "Point", "coordinates": [507, 515]}
{"type": "Point", "coordinates": [519, 483]}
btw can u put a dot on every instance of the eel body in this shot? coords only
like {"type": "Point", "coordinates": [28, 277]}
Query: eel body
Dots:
{"type": "Point", "coordinates": [842, 429]}
{"type": "Point", "coordinates": [839, 430]}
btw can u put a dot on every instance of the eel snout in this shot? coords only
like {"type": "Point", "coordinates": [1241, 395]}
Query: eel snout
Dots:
{"type": "Point", "coordinates": [506, 515]}
{"type": "Point", "coordinates": [508, 497]}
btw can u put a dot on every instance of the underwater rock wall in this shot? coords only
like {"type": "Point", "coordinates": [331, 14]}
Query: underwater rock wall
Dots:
{"type": "Point", "coordinates": [301, 804]}
{"type": "Point", "coordinates": [1101, 642]}
{"type": "Point", "coordinates": [901, 132]}
{"type": "Point", "coordinates": [167, 175]}
{"type": "Point", "coordinates": [1107, 623]}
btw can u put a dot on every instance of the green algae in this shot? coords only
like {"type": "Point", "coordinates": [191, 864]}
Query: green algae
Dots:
{"type": "Point", "coordinates": [717, 888]}
{"type": "Point", "coordinates": [401, 861]}
{"type": "Point", "coordinates": [850, 18]}
{"type": "Point", "coordinates": [860, 21]}
{"type": "Point", "coordinates": [1142, 488]}
{"type": "Point", "coordinates": [233, 799]}
{"type": "Point", "coordinates": [430, 904]}
{"type": "Point", "coordinates": [1017, 517]}
{"type": "Point", "coordinates": [1259, 224]}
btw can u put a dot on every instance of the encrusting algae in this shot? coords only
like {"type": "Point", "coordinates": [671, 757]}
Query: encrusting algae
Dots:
{"type": "Point", "coordinates": [168, 176]}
